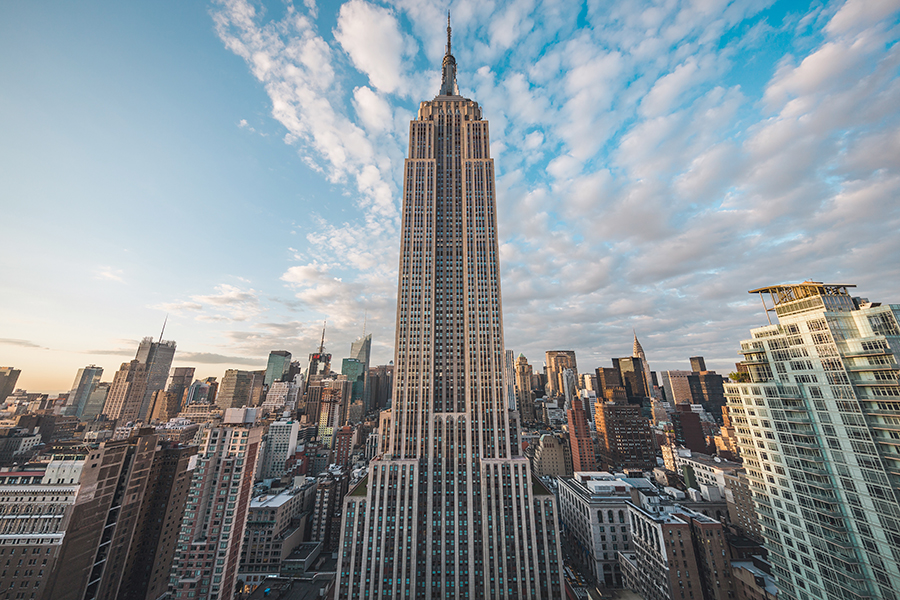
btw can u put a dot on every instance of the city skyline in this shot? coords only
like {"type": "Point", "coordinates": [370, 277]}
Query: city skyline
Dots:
{"type": "Point", "coordinates": [652, 167]}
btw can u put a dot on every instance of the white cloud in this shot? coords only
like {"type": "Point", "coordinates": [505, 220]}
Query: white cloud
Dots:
{"type": "Point", "coordinates": [109, 273]}
{"type": "Point", "coordinates": [371, 36]}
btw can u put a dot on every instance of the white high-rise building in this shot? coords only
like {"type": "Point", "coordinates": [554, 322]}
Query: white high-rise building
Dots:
{"type": "Point", "coordinates": [281, 443]}
{"type": "Point", "coordinates": [451, 510]}
{"type": "Point", "coordinates": [818, 428]}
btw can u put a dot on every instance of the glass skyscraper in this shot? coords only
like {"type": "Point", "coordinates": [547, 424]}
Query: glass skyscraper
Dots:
{"type": "Point", "coordinates": [451, 509]}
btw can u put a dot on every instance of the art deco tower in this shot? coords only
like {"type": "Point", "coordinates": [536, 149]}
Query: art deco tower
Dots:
{"type": "Point", "coordinates": [451, 509]}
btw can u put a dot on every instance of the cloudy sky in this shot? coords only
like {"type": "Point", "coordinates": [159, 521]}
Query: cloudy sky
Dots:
{"type": "Point", "coordinates": [236, 165]}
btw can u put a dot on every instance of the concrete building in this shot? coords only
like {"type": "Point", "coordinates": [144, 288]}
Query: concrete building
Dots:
{"type": "Point", "coordinates": [557, 362]}
{"type": "Point", "coordinates": [157, 360]}
{"type": "Point", "coordinates": [593, 512]}
{"type": "Point", "coordinates": [212, 528]}
{"type": "Point", "coordinates": [524, 393]}
{"type": "Point", "coordinates": [819, 443]}
{"type": "Point", "coordinates": [235, 389]}
{"type": "Point", "coordinates": [94, 554]}
{"type": "Point", "coordinates": [281, 442]}
{"type": "Point", "coordinates": [126, 393]}
{"type": "Point", "coordinates": [36, 506]}
{"type": "Point", "coordinates": [704, 472]}
{"type": "Point", "coordinates": [552, 457]}
{"type": "Point", "coordinates": [677, 552]}
{"type": "Point", "coordinates": [624, 436]}
{"type": "Point", "coordinates": [451, 421]}
{"type": "Point", "coordinates": [274, 529]}
{"type": "Point", "coordinates": [8, 378]}
{"type": "Point", "coordinates": [581, 444]}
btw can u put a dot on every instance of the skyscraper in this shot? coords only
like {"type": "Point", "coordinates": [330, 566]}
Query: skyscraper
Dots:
{"type": "Point", "coordinates": [817, 428]}
{"type": "Point", "coordinates": [557, 363]}
{"type": "Point", "coordinates": [524, 397]}
{"type": "Point", "coordinates": [86, 380]}
{"type": "Point", "coordinates": [451, 510]}
{"type": "Point", "coordinates": [157, 360]}
{"type": "Point", "coordinates": [126, 392]}
{"type": "Point", "coordinates": [361, 350]}
{"type": "Point", "coordinates": [8, 378]}
{"type": "Point", "coordinates": [278, 366]}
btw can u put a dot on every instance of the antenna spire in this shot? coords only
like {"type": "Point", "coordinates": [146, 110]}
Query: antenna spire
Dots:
{"type": "Point", "coordinates": [448, 69]}
{"type": "Point", "coordinates": [166, 320]}
{"type": "Point", "coordinates": [365, 322]}
{"type": "Point", "coordinates": [448, 32]}
{"type": "Point", "coordinates": [322, 345]}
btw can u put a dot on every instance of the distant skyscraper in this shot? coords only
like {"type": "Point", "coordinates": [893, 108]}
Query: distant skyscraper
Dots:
{"type": "Point", "coordinates": [626, 441]}
{"type": "Point", "coordinates": [524, 396]}
{"type": "Point", "coordinates": [180, 380]}
{"type": "Point", "coordinates": [355, 371]}
{"type": "Point", "coordinates": [638, 351]}
{"type": "Point", "coordinates": [96, 401]}
{"type": "Point", "coordinates": [633, 376]}
{"type": "Point", "coordinates": [580, 441]}
{"type": "Point", "coordinates": [452, 509]}
{"type": "Point", "coordinates": [157, 360]}
{"type": "Point", "coordinates": [235, 389]}
{"type": "Point", "coordinates": [381, 386]}
{"type": "Point", "coordinates": [126, 393]}
{"type": "Point", "coordinates": [818, 429]}
{"type": "Point", "coordinates": [8, 378]}
{"type": "Point", "coordinates": [278, 366]}
{"type": "Point", "coordinates": [86, 381]}
{"type": "Point", "coordinates": [361, 350]}
{"type": "Point", "coordinates": [557, 363]}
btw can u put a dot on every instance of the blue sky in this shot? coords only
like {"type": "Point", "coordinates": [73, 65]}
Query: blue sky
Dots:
{"type": "Point", "coordinates": [237, 166]}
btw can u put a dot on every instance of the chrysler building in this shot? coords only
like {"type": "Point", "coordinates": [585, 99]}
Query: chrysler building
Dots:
{"type": "Point", "coordinates": [451, 508]}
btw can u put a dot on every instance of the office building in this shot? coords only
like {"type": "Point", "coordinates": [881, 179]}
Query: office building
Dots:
{"type": "Point", "coordinates": [634, 378]}
{"type": "Point", "coordinates": [361, 350]}
{"type": "Point", "coordinates": [819, 442]}
{"type": "Point", "coordinates": [152, 548]}
{"type": "Point", "coordinates": [580, 442]}
{"type": "Point", "coordinates": [126, 393]}
{"type": "Point", "coordinates": [524, 394]}
{"type": "Point", "coordinates": [677, 387]}
{"type": "Point", "coordinates": [557, 362]}
{"type": "Point", "coordinates": [277, 367]}
{"type": "Point", "coordinates": [355, 371]}
{"type": "Point", "coordinates": [637, 351]}
{"type": "Point", "coordinates": [86, 381]}
{"type": "Point", "coordinates": [381, 386]}
{"type": "Point", "coordinates": [467, 518]}
{"type": "Point", "coordinates": [94, 553]}
{"type": "Point", "coordinates": [96, 401]}
{"type": "Point", "coordinates": [36, 505]}
{"type": "Point", "coordinates": [626, 441]}
{"type": "Point", "coordinates": [212, 528]}
{"type": "Point", "coordinates": [552, 457]}
{"type": "Point", "coordinates": [593, 510]}
{"type": "Point", "coordinates": [157, 360]}
{"type": "Point", "coordinates": [8, 378]}
{"type": "Point", "coordinates": [235, 389]}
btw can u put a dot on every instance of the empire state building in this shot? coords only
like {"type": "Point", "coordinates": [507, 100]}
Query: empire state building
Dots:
{"type": "Point", "coordinates": [450, 509]}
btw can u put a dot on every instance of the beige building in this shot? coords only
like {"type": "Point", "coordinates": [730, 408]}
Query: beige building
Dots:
{"type": "Point", "coordinates": [552, 457]}
{"type": "Point", "coordinates": [557, 362]}
{"type": "Point", "coordinates": [524, 395]}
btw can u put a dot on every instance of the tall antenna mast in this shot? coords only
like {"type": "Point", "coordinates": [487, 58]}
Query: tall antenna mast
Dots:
{"type": "Point", "coordinates": [322, 345]}
{"type": "Point", "coordinates": [448, 32]}
{"type": "Point", "coordinates": [166, 320]}
{"type": "Point", "coordinates": [365, 322]}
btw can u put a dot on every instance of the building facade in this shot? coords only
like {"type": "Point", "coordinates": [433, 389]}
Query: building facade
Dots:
{"type": "Point", "coordinates": [215, 514]}
{"type": "Point", "coordinates": [452, 510]}
{"type": "Point", "coordinates": [818, 429]}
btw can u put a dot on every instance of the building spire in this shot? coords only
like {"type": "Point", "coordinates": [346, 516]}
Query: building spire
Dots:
{"type": "Point", "coordinates": [637, 350]}
{"type": "Point", "coordinates": [448, 69]}
{"type": "Point", "coordinates": [448, 33]}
